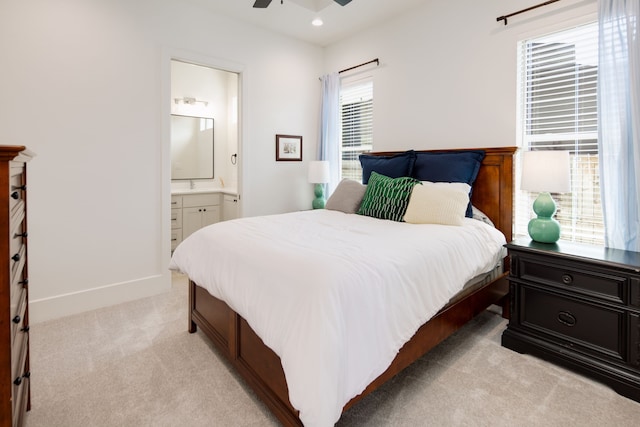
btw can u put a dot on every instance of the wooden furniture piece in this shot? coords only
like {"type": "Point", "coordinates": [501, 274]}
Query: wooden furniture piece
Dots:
{"type": "Point", "coordinates": [578, 306]}
{"type": "Point", "coordinates": [15, 395]}
{"type": "Point", "coordinates": [261, 367]}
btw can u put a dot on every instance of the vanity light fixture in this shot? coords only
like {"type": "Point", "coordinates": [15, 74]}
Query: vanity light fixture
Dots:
{"type": "Point", "coordinates": [189, 101]}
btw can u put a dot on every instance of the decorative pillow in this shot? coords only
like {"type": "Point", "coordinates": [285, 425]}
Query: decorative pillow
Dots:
{"type": "Point", "coordinates": [387, 198]}
{"type": "Point", "coordinates": [392, 166]}
{"type": "Point", "coordinates": [449, 166]}
{"type": "Point", "coordinates": [435, 204]}
{"type": "Point", "coordinates": [346, 197]}
{"type": "Point", "coordinates": [460, 186]}
{"type": "Point", "coordinates": [481, 216]}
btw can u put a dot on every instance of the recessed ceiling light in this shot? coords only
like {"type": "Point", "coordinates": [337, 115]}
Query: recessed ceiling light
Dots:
{"type": "Point", "coordinates": [317, 22]}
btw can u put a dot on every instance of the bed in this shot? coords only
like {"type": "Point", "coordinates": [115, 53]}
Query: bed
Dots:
{"type": "Point", "coordinates": [241, 339]}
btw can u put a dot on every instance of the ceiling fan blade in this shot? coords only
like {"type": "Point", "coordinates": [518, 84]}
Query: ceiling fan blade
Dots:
{"type": "Point", "coordinates": [263, 3]}
{"type": "Point", "coordinates": [342, 2]}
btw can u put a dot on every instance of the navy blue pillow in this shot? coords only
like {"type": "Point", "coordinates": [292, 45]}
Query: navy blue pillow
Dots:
{"type": "Point", "coordinates": [449, 166]}
{"type": "Point", "coordinates": [395, 166]}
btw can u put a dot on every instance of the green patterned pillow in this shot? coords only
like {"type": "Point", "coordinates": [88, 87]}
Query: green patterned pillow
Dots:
{"type": "Point", "coordinates": [387, 198]}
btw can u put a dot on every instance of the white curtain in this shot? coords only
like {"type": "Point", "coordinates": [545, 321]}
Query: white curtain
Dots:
{"type": "Point", "coordinates": [329, 141]}
{"type": "Point", "coordinates": [619, 121]}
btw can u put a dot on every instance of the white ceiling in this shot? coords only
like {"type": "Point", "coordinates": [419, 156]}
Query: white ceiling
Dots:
{"type": "Point", "coordinates": [293, 17]}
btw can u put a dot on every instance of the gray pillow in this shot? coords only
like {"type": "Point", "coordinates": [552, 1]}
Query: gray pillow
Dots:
{"type": "Point", "coordinates": [481, 216]}
{"type": "Point", "coordinates": [346, 197]}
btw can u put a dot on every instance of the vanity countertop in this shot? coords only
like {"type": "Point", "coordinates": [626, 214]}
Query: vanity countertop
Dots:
{"type": "Point", "coordinates": [223, 190]}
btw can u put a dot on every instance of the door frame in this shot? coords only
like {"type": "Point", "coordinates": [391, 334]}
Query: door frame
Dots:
{"type": "Point", "coordinates": [168, 55]}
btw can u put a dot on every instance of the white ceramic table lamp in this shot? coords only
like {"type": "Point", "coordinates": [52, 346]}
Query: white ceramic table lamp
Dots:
{"type": "Point", "coordinates": [319, 175]}
{"type": "Point", "coordinates": [545, 172]}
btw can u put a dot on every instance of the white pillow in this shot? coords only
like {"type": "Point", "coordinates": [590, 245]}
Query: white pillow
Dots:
{"type": "Point", "coordinates": [462, 186]}
{"type": "Point", "coordinates": [433, 203]}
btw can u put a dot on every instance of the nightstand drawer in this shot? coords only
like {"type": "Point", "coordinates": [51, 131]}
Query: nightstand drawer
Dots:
{"type": "Point", "coordinates": [574, 322]}
{"type": "Point", "coordinates": [586, 281]}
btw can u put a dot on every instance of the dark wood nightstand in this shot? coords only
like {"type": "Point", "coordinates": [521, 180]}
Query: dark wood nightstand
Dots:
{"type": "Point", "coordinates": [577, 306]}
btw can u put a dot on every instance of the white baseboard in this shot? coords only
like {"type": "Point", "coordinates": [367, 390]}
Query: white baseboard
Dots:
{"type": "Point", "coordinates": [50, 308]}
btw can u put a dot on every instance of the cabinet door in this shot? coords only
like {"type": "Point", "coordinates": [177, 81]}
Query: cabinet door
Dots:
{"type": "Point", "coordinates": [191, 220]}
{"type": "Point", "coordinates": [198, 217]}
{"type": "Point", "coordinates": [210, 215]}
{"type": "Point", "coordinates": [230, 207]}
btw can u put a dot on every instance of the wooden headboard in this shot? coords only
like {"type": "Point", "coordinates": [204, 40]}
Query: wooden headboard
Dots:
{"type": "Point", "coordinates": [493, 188]}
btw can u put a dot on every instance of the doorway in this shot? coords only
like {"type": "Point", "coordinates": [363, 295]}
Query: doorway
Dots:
{"type": "Point", "coordinates": [208, 93]}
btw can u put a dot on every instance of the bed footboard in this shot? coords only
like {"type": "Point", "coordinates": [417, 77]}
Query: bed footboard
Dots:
{"type": "Point", "coordinates": [255, 362]}
{"type": "Point", "coordinates": [261, 367]}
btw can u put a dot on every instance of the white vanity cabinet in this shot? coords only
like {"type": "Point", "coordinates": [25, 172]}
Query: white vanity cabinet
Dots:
{"type": "Point", "coordinates": [190, 212]}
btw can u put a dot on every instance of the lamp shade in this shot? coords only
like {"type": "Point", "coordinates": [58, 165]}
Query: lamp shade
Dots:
{"type": "Point", "coordinates": [548, 171]}
{"type": "Point", "coordinates": [319, 172]}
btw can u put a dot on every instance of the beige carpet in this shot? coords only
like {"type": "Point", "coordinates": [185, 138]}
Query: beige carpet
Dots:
{"type": "Point", "coordinates": [135, 364]}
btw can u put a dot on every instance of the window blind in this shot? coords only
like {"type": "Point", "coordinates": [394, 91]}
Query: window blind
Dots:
{"type": "Point", "coordinates": [356, 109]}
{"type": "Point", "coordinates": [558, 111]}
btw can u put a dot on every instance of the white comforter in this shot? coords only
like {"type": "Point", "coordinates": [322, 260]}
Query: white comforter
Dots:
{"type": "Point", "coordinates": [335, 295]}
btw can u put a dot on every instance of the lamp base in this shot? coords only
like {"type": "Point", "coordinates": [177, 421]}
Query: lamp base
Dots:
{"type": "Point", "coordinates": [318, 202]}
{"type": "Point", "coordinates": [544, 229]}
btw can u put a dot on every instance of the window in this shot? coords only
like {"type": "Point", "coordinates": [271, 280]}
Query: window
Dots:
{"type": "Point", "coordinates": [356, 119]}
{"type": "Point", "coordinates": [558, 111]}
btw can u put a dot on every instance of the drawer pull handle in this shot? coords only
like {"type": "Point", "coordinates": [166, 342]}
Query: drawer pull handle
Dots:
{"type": "Point", "coordinates": [25, 329]}
{"type": "Point", "coordinates": [24, 283]}
{"type": "Point", "coordinates": [15, 195]}
{"type": "Point", "coordinates": [25, 234]}
{"type": "Point", "coordinates": [16, 320]}
{"type": "Point", "coordinates": [20, 187]}
{"type": "Point", "coordinates": [567, 279]}
{"type": "Point", "coordinates": [16, 257]}
{"type": "Point", "coordinates": [566, 318]}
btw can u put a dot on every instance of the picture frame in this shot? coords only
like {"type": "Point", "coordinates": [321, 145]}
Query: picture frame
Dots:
{"type": "Point", "coordinates": [288, 148]}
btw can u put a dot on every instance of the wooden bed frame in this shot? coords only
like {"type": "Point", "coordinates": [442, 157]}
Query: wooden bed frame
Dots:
{"type": "Point", "coordinates": [261, 367]}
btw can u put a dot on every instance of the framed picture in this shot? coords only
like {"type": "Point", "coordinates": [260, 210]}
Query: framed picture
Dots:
{"type": "Point", "coordinates": [288, 148]}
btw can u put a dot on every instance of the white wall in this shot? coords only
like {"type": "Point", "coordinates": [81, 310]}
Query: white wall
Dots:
{"type": "Point", "coordinates": [84, 85]}
{"type": "Point", "coordinates": [447, 76]}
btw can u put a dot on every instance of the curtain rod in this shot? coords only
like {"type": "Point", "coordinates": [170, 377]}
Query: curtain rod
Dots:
{"type": "Point", "coordinates": [377, 61]}
{"type": "Point", "coordinates": [504, 17]}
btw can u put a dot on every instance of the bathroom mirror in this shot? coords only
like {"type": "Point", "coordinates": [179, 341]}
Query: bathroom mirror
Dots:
{"type": "Point", "coordinates": [191, 147]}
